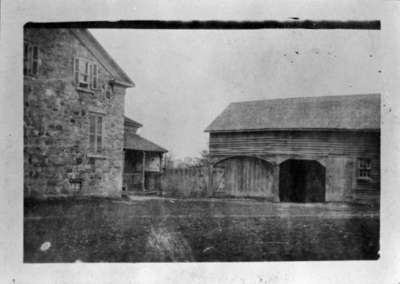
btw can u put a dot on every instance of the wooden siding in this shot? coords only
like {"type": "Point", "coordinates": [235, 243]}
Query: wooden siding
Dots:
{"type": "Point", "coordinates": [132, 181]}
{"type": "Point", "coordinates": [339, 150]}
{"type": "Point", "coordinates": [133, 171]}
{"type": "Point", "coordinates": [152, 181]}
{"type": "Point", "coordinates": [142, 171]}
{"type": "Point", "coordinates": [244, 176]}
{"type": "Point", "coordinates": [187, 182]}
{"type": "Point", "coordinates": [287, 142]}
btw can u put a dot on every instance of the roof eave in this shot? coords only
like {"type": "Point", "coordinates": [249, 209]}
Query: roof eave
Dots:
{"type": "Point", "coordinates": [127, 82]}
{"type": "Point", "coordinates": [127, 124]}
{"type": "Point", "coordinates": [154, 151]}
{"type": "Point", "coordinates": [123, 84]}
{"type": "Point", "coordinates": [293, 129]}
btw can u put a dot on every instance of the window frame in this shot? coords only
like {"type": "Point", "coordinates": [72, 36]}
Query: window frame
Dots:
{"type": "Point", "coordinates": [109, 91]}
{"type": "Point", "coordinates": [91, 71]}
{"type": "Point", "coordinates": [31, 59]}
{"type": "Point", "coordinates": [364, 168]}
{"type": "Point", "coordinates": [93, 146]}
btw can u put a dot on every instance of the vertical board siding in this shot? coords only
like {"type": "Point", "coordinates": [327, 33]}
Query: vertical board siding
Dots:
{"type": "Point", "coordinates": [245, 176]}
{"type": "Point", "coordinates": [190, 182]}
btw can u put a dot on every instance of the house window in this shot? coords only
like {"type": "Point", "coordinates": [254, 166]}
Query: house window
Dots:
{"type": "Point", "coordinates": [109, 91]}
{"type": "Point", "coordinates": [31, 59]}
{"type": "Point", "coordinates": [86, 74]}
{"type": "Point", "coordinates": [364, 168]}
{"type": "Point", "coordinates": [96, 133]}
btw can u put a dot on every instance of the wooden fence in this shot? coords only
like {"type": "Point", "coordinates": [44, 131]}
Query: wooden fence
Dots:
{"type": "Point", "coordinates": [189, 182]}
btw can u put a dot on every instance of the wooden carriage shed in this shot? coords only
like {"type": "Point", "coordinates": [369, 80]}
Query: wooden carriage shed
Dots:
{"type": "Point", "coordinates": [307, 149]}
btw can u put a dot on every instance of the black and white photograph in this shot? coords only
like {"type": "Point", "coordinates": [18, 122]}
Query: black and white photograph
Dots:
{"type": "Point", "coordinates": [209, 140]}
{"type": "Point", "coordinates": [281, 178]}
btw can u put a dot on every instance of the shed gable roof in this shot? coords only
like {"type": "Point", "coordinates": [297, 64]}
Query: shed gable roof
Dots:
{"type": "Point", "coordinates": [101, 54]}
{"type": "Point", "coordinates": [350, 112]}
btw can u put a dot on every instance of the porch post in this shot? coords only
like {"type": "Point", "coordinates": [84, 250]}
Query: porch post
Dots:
{"type": "Point", "coordinates": [123, 169]}
{"type": "Point", "coordinates": [275, 183]}
{"type": "Point", "coordinates": [210, 189]}
{"type": "Point", "coordinates": [160, 174]}
{"type": "Point", "coordinates": [143, 168]}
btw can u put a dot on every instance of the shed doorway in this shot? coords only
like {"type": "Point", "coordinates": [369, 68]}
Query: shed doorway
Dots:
{"type": "Point", "coordinates": [301, 181]}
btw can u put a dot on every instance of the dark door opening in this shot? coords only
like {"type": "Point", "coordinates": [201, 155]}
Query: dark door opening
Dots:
{"type": "Point", "coordinates": [301, 181]}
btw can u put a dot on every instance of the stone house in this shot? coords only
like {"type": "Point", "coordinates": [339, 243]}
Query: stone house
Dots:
{"type": "Point", "coordinates": [74, 95]}
{"type": "Point", "coordinates": [310, 149]}
{"type": "Point", "coordinates": [143, 162]}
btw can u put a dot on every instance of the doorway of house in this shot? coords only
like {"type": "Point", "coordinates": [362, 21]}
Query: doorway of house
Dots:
{"type": "Point", "coordinates": [301, 181]}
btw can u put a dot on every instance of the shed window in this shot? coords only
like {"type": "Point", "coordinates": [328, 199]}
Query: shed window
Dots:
{"type": "Point", "coordinates": [86, 73]}
{"type": "Point", "coordinates": [96, 133]}
{"type": "Point", "coordinates": [31, 59]}
{"type": "Point", "coordinates": [364, 168]}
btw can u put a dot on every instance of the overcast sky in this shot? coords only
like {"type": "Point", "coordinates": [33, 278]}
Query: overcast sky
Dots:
{"type": "Point", "coordinates": [185, 78]}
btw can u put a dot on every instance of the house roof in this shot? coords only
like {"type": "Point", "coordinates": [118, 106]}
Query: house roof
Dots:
{"type": "Point", "coordinates": [102, 55]}
{"type": "Point", "coordinates": [130, 122]}
{"type": "Point", "coordinates": [136, 142]}
{"type": "Point", "coordinates": [350, 112]}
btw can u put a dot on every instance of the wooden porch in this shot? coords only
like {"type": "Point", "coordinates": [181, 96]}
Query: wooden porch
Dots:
{"type": "Point", "coordinates": [142, 162]}
{"type": "Point", "coordinates": [141, 176]}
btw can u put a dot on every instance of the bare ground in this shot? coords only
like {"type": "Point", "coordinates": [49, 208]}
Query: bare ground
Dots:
{"type": "Point", "coordinates": [152, 229]}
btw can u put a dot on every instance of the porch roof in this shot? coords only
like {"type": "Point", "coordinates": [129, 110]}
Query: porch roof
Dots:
{"type": "Point", "coordinates": [136, 142]}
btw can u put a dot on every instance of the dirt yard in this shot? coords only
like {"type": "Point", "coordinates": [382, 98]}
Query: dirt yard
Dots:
{"type": "Point", "coordinates": [155, 229]}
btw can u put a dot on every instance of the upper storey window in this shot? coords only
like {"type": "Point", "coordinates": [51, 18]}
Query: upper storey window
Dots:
{"type": "Point", "coordinates": [31, 59]}
{"type": "Point", "coordinates": [86, 74]}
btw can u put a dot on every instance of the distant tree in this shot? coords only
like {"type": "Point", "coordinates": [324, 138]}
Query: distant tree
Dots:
{"type": "Point", "coordinates": [185, 163]}
{"type": "Point", "coordinates": [172, 163]}
{"type": "Point", "coordinates": [204, 159]}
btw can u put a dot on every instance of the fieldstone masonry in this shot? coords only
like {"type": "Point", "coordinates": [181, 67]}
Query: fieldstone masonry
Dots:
{"type": "Point", "coordinates": [57, 160]}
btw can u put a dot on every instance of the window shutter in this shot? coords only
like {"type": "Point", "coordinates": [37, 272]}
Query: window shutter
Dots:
{"type": "Point", "coordinates": [35, 60]}
{"type": "Point", "coordinates": [99, 134]}
{"type": "Point", "coordinates": [86, 74]}
{"type": "Point", "coordinates": [94, 76]}
{"type": "Point", "coordinates": [98, 76]}
{"type": "Point", "coordinates": [90, 75]}
{"type": "Point", "coordinates": [26, 58]}
{"type": "Point", "coordinates": [76, 70]}
{"type": "Point", "coordinates": [29, 69]}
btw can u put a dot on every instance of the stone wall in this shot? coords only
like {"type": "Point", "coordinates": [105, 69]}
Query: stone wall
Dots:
{"type": "Point", "coordinates": [56, 123]}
